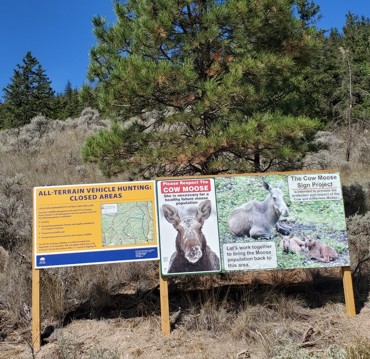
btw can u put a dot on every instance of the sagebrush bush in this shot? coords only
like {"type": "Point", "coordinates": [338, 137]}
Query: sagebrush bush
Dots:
{"type": "Point", "coordinates": [333, 154]}
{"type": "Point", "coordinates": [359, 240]}
{"type": "Point", "coordinates": [354, 198]}
{"type": "Point", "coordinates": [15, 293]}
{"type": "Point", "coordinates": [15, 211]}
{"type": "Point", "coordinates": [359, 244]}
{"type": "Point", "coordinates": [43, 152]}
{"type": "Point", "coordinates": [4, 257]}
{"type": "Point", "coordinates": [359, 350]}
{"type": "Point", "coordinates": [292, 350]}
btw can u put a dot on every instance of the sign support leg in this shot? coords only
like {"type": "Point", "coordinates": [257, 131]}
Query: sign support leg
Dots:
{"type": "Point", "coordinates": [165, 309]}
{"type": "Point", "coordinates": [36, 309]}
{"type": "Point", "coordinates": [348, 292]}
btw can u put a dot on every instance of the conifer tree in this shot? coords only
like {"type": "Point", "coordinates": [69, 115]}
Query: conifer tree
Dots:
{"type": "Point", "coordinates": [351, 97]}
{"type": "Point", "coordinates": [68, 103]}
{"type": "Point", "coordinates": [29, 93]}
{"type": "Point", "coordinates": [341, 75]}
{"type": "Point", "coordinates": [88, 96]}
{"type": "Point", "coordinates": [213, 85]}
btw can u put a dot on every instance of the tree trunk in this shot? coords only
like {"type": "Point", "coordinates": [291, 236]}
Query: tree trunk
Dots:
{"type": "Point", "coordinates": [257, 161]}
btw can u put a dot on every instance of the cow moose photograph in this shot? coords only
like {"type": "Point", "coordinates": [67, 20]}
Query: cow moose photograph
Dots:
{"type": "Point", "coordinates": [257, 219]}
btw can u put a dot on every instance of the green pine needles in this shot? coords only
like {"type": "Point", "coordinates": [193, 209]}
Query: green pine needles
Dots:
{"type": "Point", "coordinates": [29, 94]}
{"type": "Point", "coordinates": [215, 87]}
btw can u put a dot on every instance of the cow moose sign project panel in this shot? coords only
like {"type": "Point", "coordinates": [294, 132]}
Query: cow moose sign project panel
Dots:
{"type": "Point", "coordinates": [252, 222]}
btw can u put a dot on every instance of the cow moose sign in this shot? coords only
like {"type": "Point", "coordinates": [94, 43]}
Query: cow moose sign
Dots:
{"type": "Point", "coordinates": [251, 222]}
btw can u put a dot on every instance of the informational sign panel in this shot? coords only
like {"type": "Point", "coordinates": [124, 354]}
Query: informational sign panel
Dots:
{"type": "Point", "coordinates": [281, 221]}
{"type": "Point", "coordinates": [315, 187]}
{"type": "Point", "coordinates": [189, 240]}
{"type": "Point", "coordinates": [259, 221]}
{"type": "Point", "coordinates": [95, 223]}
{"type": "Point", "coordinates": [205, 225]}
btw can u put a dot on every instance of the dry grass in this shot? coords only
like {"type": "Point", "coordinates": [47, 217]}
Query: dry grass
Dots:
{"type": "Point", "coordinates": [359, 350]}
{"type": "Point", "coordinates": [50, 156]}
{"type": "Point", "coordinates": [108, 310]}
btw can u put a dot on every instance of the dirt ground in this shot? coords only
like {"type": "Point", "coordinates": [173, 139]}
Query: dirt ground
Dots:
{"type": "Point", "coordinates": [141, 337]}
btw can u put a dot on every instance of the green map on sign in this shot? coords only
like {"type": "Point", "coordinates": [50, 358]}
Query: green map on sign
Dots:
{"type": "Point", "coordinates": [127, 223]}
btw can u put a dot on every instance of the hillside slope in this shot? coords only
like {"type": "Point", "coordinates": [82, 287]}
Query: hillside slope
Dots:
{"type": "Point", "coordinates": [113, 311]}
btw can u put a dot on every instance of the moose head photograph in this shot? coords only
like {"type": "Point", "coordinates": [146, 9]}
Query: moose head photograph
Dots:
{"type": "Point", "coordinates": [188, 227]}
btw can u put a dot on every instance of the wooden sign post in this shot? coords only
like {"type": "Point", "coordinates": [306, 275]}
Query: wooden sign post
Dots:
{"type": "Point", "coordinates": [348, 291]}
{"type": "Point", "coordinates": [165, 309]}
{"type": "Point", "coordinates": [36, 309]}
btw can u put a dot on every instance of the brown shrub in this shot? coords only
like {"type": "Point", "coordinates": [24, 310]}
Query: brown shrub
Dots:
{"type": "Point", "coordinates": [15, 211]}
{"type": "Point", "coordinates": [359, 244]}
{"type": "Point", "coordinates": [4, 257]}
{"type": "Point", "coordinates": [359, 240]}
{"type": "Point", "coordinates": [15, 284]}
{"type": "Point", "coordinates": [354, 198]}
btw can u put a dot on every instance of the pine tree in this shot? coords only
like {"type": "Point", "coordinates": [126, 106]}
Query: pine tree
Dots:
{"type": "Point", "coordinates": [28, 94]}
{"type": "Point", "coordinates": [88, 97]}
{"type": "Point", "coordinates": [3, 115]}
{"type": "Point", "coordinates": [213, 85]}
{"type": "Point", "coordinates": [351, 95]}
{"type": "Point", "coordinates": [308, 11]}
{"type": "Point", "coordinates": [68, 103]}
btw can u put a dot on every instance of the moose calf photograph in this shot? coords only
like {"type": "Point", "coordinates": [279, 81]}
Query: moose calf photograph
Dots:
{"type": "Point", "coordinates": [192, 252]}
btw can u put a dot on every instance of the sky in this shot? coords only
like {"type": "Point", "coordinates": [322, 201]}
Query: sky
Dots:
{"type": "Point", "coordinates": [59, 34]}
